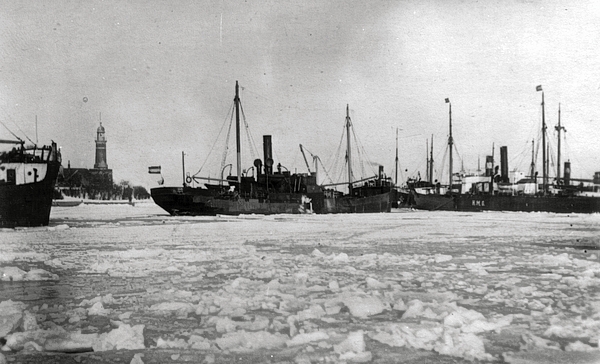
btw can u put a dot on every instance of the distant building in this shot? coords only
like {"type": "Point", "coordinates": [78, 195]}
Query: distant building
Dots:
{"type": "Point", "coordinates": [96, 183]}
{"type": "Point", "coordinates": [100, 149]}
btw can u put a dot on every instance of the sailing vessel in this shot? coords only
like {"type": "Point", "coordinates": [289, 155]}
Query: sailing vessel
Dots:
{"type": "Point", "coordinates": [270, 191]}
{"type": "Point", "coordinates": [27, 178]}
{"type": "Point", "coordinates": [495, 191]}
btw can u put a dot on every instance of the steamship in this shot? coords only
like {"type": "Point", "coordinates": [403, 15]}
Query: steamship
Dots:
{"type": "Point", "coordinates": [272, 191]}
{"type": "Point", "coordinates": [503, 191]}
{"type": "Point", "coordinates": [27, 178]}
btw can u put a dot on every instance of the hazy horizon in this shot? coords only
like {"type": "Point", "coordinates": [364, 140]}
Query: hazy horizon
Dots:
{"type": "Point", "coordinates": [162, 75]}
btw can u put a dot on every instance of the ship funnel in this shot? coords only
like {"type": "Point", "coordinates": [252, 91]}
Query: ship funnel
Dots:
{"type": "Point", "coordinates": [489, 166]}
{"type": "Point", "coordinates": [504, 163]}
{"type": "Point", "coordinates": [567, 173]}
{"type": "Point", "coordinates": [268, 154]}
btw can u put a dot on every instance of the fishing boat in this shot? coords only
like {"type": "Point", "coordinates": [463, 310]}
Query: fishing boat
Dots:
{"type": "Point", "coordinates": [497, 190]}
{"type": "Point", "coordinates": [271, 191]}
{"type": "Point", "coordinates": [27, 178]}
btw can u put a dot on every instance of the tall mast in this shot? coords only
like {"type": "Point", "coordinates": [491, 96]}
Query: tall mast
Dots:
{"type": "Point", "coordinates": [183, 167]}
{"type": "Point", "coordinates": [238, 143]}
{"type": "Point", "coordinates": [348, 151]}
{"type": "Point", "coordinates": [558, 128]}
{"type": "Point", "coordinates": [396, 180]}
{"type": "Point", "coordinates": [427, 158]}
{"type": "Point", "coordinates": [544, 165]}
{"type": "Point", "coordinates": [533, 160]}
{"type": "Point", "coordinates": [431, 161]}
{"type": "Point", "coordinates": [450, 142]}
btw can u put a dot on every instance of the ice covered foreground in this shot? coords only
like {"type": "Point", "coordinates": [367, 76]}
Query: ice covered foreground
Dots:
{"type": "Point", "coordinates": [334, 288]}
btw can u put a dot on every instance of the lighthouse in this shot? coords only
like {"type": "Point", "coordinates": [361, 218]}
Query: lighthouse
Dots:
{"type": "Point", "coordinates": [100, 149]}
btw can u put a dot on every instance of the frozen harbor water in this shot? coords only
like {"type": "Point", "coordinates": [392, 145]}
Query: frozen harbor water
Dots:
{"type": "Point", "coordinates": [138, 286]}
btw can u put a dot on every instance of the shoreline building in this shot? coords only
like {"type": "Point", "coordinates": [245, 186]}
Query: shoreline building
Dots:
{"type": "Point", "coordinates": [96, 183]}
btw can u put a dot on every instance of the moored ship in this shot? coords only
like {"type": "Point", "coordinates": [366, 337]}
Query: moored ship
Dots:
{"type": "Point", "coordinates": [271, 191]}
{"type": "Point", "coordinates": [27, 178]}
{"type": "Point", "coordinates": [500, 191]}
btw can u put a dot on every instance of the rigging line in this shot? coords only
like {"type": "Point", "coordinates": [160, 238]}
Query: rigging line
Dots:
{"type": "Point", "coordinates": [360, 155]}
{"type": "Point", "coordinates": [10, 131]}
{"type": "Point", "coordinates": [324, 169]}
{"type": "Point", "coordinates": [440, 172]}
{"type": "Point", "coordinates": [21, 130]}
{"type": "Point", "coordinates": [336, 157]}
{"type": "Point", "coordinates": [457, 154]}
{"type": "Point", "coordinates": [365, 154]}
{"type": "Point", "coordinates": [226, 149]}
{"type": "Point", "coordinates": [217, 138]}
{"type": "Point", "coordinates": [250, 139]}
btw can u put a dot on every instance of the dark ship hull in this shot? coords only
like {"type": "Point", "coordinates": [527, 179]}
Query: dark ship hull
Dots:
{"type": "Point", "coordinates": [28, 204]}
{"type": "Point", "coordinates": [556, 203]}
{"type": "Point", "coordinates": [182, 201]}
{"type": "Point", "coordinates": [196, 201]}
{"type": "Point", "coordinates": [271, 192]}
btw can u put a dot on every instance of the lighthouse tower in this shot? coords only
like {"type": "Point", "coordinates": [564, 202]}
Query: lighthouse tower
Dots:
{"type": "Point", "coordinates": [100, 149]}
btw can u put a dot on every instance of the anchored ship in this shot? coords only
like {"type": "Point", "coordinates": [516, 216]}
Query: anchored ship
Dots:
{"type": "Point", "coordinates": [271, 191]}
{"type": "Point", "coordinates": [27, 178]}
{"type": "Point", "coordinates": [494, 190]}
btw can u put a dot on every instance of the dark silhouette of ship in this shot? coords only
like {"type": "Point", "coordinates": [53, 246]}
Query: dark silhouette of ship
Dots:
{"type": "Point", "coordinates": [27, 178]}
{"type": "Point", "coordinates": [493, 191]}
{"type": "Point", "coordinates": [271, 191]}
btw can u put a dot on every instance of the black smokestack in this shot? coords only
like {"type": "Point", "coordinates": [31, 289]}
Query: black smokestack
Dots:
{"type": "Point", "coordinates": [504, 163]}
{"type": "Point", "coordinates": [268, 154]}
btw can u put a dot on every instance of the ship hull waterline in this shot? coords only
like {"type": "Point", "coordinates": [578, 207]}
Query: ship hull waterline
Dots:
{"type": "Point", "coordinates": [182, 201]}
{"type": "Point", "coordinates": [28, 205]}
{"type": "Point", "coordinates": [556, 204]}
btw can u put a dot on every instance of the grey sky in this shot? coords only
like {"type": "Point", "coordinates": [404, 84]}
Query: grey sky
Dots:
{"type": "Point", "coordinates": [162, 74]}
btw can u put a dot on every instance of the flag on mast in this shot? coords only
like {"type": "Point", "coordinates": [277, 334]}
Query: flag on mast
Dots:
{"type": "Point", "coordinates": [538, 88]}
{"type": "Point", "coordinates": [154, 170]}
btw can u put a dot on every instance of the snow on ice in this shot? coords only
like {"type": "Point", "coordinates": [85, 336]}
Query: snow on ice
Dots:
{"type": "Point", "coordinates": [145, 287]}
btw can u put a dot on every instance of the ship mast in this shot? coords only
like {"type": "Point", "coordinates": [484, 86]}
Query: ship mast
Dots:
{"type": "Point", "coordinates": [558, 128]}
{"type": "Point", "coordinates": [348, 152]}
{"type": "Point", "coordinates": [431, 161]}
{"type": "Point", "coordinates": [427, 158]}
{"type": "Point", "coordinates": [450, 142]}
{"type": "Point", "coordinates": [236, 100]}
{"type": "Point", "coordinates": [544, 170]}
{"type": "Point", "coordinates": [396, 179]}
{"type": "Point", "coordinates": [533, 161]}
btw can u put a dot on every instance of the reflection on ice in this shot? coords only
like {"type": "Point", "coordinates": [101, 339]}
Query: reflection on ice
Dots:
{"type": "Point", "coordinates": [354, 288]}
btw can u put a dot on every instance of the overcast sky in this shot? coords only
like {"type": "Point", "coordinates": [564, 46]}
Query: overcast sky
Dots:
{"type": "Point", "coordinates": [162, 75]}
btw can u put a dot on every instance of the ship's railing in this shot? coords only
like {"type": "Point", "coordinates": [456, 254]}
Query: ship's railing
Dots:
{"type": "Point", "coordinates": [31, 154]}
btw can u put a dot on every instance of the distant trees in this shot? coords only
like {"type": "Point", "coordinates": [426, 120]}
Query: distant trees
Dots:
{"type": "Point", "coordinates": [140, 193]}
{"type": "Point", "coordinates": [97, 185]}
{"type": "Point", "coordinates": [125, 191]}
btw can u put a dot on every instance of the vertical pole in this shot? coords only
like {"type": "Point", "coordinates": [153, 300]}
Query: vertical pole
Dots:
{"type": "Point", "coordinates": [558, 128]}
{"type": "Point", "coordinates": [431, 162]}
{"type": "Point", "coordinates": [183, 167]}
{"type": "Point", "coordinates": [544, 163]}
{"type": "Point", "coordinates": [450, 143]}
{"type": "Point", "coordinates": [533, 160]}
{"type": "Point", "coordinates": [396, 179]}
{"type": "Point", "coordinates": [427, 158]}
{"type": "Point", "coordinates": [238, 146]}
{"type": "Point", "coordinates": [349, 152]}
